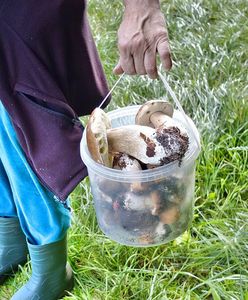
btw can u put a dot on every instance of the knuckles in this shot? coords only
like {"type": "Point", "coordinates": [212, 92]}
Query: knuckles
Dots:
{"type": "Point", "coordinates": [132, 44]}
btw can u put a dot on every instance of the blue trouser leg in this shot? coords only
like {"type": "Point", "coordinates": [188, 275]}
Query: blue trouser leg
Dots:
{"type": "Point", "coordinates": [43, 219]}
{"type": "Point", "coordinates": [7, 205]}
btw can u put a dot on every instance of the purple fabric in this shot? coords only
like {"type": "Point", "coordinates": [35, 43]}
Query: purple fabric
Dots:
{"type": "Point", "coordinates": [50, 73]}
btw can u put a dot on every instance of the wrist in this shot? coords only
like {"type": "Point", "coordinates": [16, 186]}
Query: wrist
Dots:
{"type": "Point", "coordinates": [142, 3]}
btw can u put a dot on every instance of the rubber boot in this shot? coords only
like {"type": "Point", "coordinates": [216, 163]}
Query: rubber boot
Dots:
{"type": "Point", "coordinates": [51, 274]}
{"type": "Point", "coordinates": [13, 247]}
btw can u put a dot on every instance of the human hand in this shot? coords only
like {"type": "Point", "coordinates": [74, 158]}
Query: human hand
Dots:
{"type": "Point", "coordinates": [142, 34]}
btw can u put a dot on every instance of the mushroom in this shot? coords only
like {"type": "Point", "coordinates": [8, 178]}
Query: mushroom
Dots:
{"type": "Point", "coordinates": [162, 231]}
{"type": "Point", "coordinates": [137, 141]}
{"type": "Point", "coordinates": [170, 215]}
{"type": "Point", "coordinates": [96, 135]}
{"type": "Point", "coordinates": [138, 202]}
{"type": "Point", "coordinates": [124, 162]}
{"type": "Point", "coordinates": [138, 187]}
{"type": "Point", "coordinates": [157, 113]}
{"type": "Point", "coordinates": [174, 143]}
{"type": "Point", "coordinates": [156, 202]}
{"type": "Point", "coordinates": [142, 202]}
{"type": "Point", "coordinates": [152, 111]}
{"type": "Point", "coordinates": [170, 133]}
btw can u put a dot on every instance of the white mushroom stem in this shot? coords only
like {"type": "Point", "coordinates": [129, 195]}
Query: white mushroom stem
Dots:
{"type": "Point", "coordinates": [124, 162]}
{"type": "Point", "coordinates": [137, 141]}
{"type": "Point", "coordinates": [146, 110]}
{"type": "Point", "coordinates": [137, 202]}
{"type": "Point", "coordinates": [157, 113]}
{"type": "Point", "coordinates": [156, 202]}
{"type": "Point", "coordinates": [160, 119]}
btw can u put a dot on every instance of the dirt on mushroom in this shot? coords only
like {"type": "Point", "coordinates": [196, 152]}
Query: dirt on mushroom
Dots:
{"type": "Point", "coordinates": [172, 139]}
{"type": "Point", "coordinates": [150, 150]}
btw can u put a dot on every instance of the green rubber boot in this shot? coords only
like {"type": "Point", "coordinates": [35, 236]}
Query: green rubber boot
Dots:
{"type": "Point", "coordinates": [13, 247]}
{"type": "Point", "coordinates": [51, 274]}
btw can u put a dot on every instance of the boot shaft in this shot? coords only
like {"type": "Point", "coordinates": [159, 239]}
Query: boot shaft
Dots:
{"type": "Point", "coordinates": [13, 246]}
{"type": "Point", "coordinates": [46, 258]}
{"type": "Point", "coordinates": [11, 232]}
{"type": "Point", "coordinates": [51, 276]}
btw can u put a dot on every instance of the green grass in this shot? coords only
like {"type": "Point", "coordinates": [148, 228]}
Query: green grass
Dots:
{"type": "Point", "coordinates": [209, 41]}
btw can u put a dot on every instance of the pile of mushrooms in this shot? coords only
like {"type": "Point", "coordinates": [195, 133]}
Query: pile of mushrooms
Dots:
{"type": "Point", "coordinates": [154, 140]}
{"type": "Point", "coordinates": [145, 209]}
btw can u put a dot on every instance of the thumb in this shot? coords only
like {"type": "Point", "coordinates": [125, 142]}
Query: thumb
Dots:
{"type": "Point", "coordinates": [118, 69]}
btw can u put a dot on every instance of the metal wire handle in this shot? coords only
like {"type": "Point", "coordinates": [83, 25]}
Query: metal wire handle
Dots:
{"type": "Point", "coordinates": [178, 104]}
{"type": "Point", "coordinates": [172, 94]}
{"type": "Point", "coordinates": [113, 87]}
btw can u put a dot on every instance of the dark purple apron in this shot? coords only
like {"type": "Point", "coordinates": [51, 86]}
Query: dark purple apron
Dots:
{"type": "Point", "coordinates": [50, 73]}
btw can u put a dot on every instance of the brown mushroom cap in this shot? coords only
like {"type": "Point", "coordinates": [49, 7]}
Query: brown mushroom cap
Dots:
{"type": "Point", "coordinates": [96, 135]}
{"type": "Point", "coordinates": [146, 110]}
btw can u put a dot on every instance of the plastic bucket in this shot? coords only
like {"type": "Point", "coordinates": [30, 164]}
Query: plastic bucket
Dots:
{"type": "Point", "coordinates": [161, 210]}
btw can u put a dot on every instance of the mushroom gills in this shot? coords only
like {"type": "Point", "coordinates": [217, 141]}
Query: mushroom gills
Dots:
{"type": "Point", "coordinates": [96, 135]}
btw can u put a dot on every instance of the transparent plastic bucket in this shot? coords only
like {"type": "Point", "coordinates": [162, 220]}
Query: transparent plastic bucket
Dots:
{"type": "Point", "coordinates": [161, 209]}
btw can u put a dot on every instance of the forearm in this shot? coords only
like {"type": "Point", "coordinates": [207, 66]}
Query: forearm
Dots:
{"type": "Point", "coordinates": [142, 3]}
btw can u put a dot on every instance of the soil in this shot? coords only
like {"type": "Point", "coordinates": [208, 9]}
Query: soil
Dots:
{"type": "Point", "coordinates": [172, 139]}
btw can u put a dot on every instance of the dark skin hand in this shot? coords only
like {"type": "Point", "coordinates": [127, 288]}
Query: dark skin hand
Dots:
{"type": "Point", "coordinates": [141, 37]}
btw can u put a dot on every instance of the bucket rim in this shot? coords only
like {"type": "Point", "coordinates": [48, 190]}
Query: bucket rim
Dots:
{"type": "Point", "coordinates": [142, 175]}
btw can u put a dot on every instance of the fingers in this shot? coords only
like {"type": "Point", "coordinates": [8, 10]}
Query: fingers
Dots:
{"type": "Point", "coordinates": [126, 63]}
{"type": "Point", "coordinates": [150, 64]}
{"type": "Point", "coordinates": [139, 63]}
{"type": "Point", "coordinates": [132, 66]}
{"type": "Point", "coordinates": [164, 53]}
{"type": "Point", "coordinates": [143, 61]}
{"type": "Point", "coordinates": [118, 69]}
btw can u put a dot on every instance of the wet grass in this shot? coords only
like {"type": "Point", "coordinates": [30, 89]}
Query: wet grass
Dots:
{"type": "Point", "coordinates": [209, 41]}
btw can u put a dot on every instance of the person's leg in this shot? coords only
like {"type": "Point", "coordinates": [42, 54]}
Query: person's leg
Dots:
{"type": "Point", "coordinates": [7, 205]}
{"type": "Point", "coordinates": [43, 220]}
{"type": "Point", "coordinates": [13, 246]}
